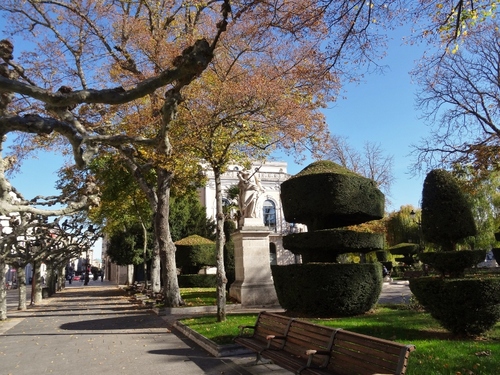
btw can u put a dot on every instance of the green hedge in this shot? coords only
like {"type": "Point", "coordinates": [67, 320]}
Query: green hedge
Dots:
{"type": "Point", "coordinates": [496, 254]}
{"type": "Point", "coordinates": [331, 196]}
{"type": "Point", "coordinates": [197, 281]}
{"type": "Point", "coordinates": [453, 263]}
{"type": "Point", "coordinates": [462, 306]}
{"type": "Point", "coordinates": [326, 289]}
{"type": "Point", "coordinates": [326, 245]}
{"type": "Point", "coordinates": [446, 211]}
{"type": "Point", "coordinates": [193, 253]}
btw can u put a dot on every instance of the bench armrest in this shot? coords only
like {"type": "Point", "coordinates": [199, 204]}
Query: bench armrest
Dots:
{"type": "Point", "coordinates": [311, 353]}
{"type": "Point", "coordinates": [270, 339]}
{"type": "Point", "coordinates": [243, 328]}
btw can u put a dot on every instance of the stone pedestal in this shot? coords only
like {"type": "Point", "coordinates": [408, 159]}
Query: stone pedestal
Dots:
{"type": "Point", "coordinates": [254, 284]}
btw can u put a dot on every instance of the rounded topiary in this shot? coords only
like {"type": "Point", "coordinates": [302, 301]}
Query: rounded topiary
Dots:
{"type": "Point", "coordinates": [326, 195]}
{"type": "Point", "coordinates": [326, 289]}
{"type": "Point", "coordinates": [195, 252]}
{"type": "Point", "coordinates": [455, 263]}
{"type": "Point", "coordinates": [462, 306]}
{"type": "Point", "coordinates": [446, 213]}
{"type": "Point", "coordinates": [326, 245]}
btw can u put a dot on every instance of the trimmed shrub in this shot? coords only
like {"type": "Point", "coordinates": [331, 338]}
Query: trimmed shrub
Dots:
{"type": "Point", "coordinates": [229, 228]}
{"type": "Point", "coordinates": [197, 281]}
{"type": "Point", "coordinates": [326, 245]}
{"type": "Point", "coordinates": [454, 263]}
{"type": "Point", "coordinates": [382, 256]}
{"type": "Point", "coordinates": [462, 306]}
{"type": "Point", "coordinates": [193, 253]}
{"type": "Point", "coordinates": [446, 213]}
{"type": "Point", "coordinates": [496, 254]}
{"type": "Point", "coordinates": [322, 289]}
{"type": "Point", "coordinates": [408, 250]}
{"type": "Point", "coordinates": [331, 196]}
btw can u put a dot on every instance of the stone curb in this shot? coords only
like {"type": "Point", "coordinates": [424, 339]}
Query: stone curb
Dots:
{"type": "Point", "coordinates": [211, 347]}
{"type": "Point", "coordinates": [193, 310]}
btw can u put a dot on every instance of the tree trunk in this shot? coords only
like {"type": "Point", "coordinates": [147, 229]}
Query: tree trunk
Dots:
{"type": "Point", "coordinates": [50, 278]}
{"type": "Point", "coordinates": [220, 240]}
{"type": "Point", "coordinates": [166, 246]}
{"type": "Point", "coordinates": [61, 278]}
{"type": "Point", "coordinates": [145, 252]}
{"type": "Point", "coordinates": [130, 274]}
{"type": "Point", "coordinates": [37, 285]}
{"type": "Point", "coordinates": [3, 291]}
{"type": "Point", "coordinates": [156, 269]}
{"type": "Point", "coordinates": [21, 285]}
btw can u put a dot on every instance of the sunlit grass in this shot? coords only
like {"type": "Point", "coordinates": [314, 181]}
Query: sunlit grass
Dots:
{"type": "Point", "coordinates": [220, 333]}
{"type": "Point", "coordinates": [199, 296]}
{"type": "Point", "coordinates": [438, 352]}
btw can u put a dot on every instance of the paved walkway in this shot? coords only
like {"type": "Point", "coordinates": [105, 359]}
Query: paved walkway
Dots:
{"type": "Point", "coordinates": [97, 329]}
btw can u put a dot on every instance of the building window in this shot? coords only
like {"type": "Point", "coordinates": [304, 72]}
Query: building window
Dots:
{"type": "Point", "coordinates": [270, 214]}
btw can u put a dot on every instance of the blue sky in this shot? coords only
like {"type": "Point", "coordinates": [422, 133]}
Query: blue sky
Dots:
{"type": "Point", "coordinates": [379, 109]}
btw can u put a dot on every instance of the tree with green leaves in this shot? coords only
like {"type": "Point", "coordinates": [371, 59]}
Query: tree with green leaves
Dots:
{"type": "Point", "coordinates": [485, 201]}
{"type": "Point", "coordinates": [401, 227]}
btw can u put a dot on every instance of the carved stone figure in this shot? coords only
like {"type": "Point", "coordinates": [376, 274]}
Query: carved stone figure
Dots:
{"type": "Point", "coordinates": [250, 189]}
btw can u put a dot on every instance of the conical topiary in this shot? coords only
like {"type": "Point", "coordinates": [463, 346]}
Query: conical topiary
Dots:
{"type": "Point", "coordinates": [446, 212]}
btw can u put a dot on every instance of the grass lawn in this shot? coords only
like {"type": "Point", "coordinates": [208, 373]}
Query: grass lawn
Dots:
{"type": "Point", "coordinates": [199, 296]}
{"type": "Point", "coordinates": [194, 297]}
{"type": "Point", "coordinates": [438, 352]}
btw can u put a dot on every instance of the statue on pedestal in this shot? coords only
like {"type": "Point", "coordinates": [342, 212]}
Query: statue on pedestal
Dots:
{"type": "Point", "coordinates": [250, 190]}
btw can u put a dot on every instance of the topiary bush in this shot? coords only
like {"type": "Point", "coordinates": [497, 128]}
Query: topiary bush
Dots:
{"type": "Point", "coordinates": [382, 256]}
{"type": "Point", "coordinates": [408, 250]}
{"type": "Point", "coordinates": [496, 254]}
{"type": "Point", "coordinates": [328, 198]}
{"type": "Point", "coordinates": [462, 306]}
{"type": "Point", "coordinates": [197, 281]}
{"type": "Point", "coordinates": [446, 212]}
{"type": "Point", "coordinates": [326, 289]}
{"type": "Point", "coordinates": [453, 264]}
{"type": "Point", "coordinates": [193, 253]}
{"type": "Point", "coordinates": [331, 196]}
{"type": "Point", "coordinates": [325, 245]}
{"type": "Point", "coordinates": [229, 266]}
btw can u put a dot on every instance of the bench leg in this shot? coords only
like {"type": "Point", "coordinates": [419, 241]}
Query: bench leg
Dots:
{"type": "Point", "coordinates": [259, 360]}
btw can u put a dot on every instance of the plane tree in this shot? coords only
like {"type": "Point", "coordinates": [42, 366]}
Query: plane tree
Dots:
{"type": "Point", "coordinates": [33, 239]}
{"type": "Point", "coordinates": [88, 119]}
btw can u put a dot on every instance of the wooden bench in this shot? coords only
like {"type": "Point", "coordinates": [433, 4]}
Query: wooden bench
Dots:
{"type": "Point", "coordinates": [269, 332]}
{"type": "Point", "coordinates": [311, 349]}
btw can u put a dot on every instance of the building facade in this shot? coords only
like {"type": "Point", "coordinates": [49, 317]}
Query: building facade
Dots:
{"type": "Point", "coordinates": [268, 206]}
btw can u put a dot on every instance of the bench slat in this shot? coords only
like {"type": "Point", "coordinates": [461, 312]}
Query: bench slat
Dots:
{"type": "Point", "coordinates": [353, 339]}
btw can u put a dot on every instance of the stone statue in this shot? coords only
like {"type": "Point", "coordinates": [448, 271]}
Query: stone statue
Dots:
{"type": "Point", "coordinates": [248, 194]}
